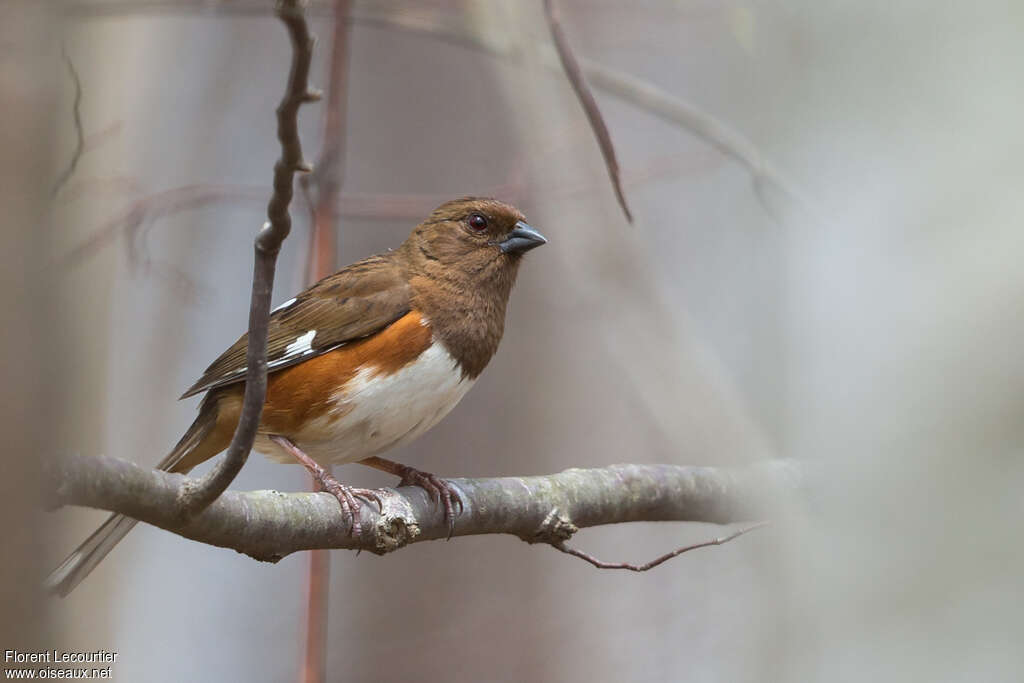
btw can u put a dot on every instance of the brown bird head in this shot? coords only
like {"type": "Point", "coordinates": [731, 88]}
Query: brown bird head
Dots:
{"type": "Point", "coordinates": [462, 262]}
{"type": "Point", "coordinates": [481, 240]}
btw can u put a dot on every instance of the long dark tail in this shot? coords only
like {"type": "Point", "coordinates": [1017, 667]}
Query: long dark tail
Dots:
{"type": "Point", "coordinates": [188, 452]}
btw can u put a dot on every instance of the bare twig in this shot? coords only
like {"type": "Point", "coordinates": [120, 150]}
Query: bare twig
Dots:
{"type": "Point", "coordinates": [600, 564]}
{"type": "Point", "coordinates": [140, 213]}
{"type": "Point", "coordinates": [269, 525]}
{"type": "Point", "coordinates": [716, 133]}
{"type": "Point", "coordinates": [193, 495]}
{"type": "Point", "coordinates": [139, 216]}
{"type": "Point", "coordinates": [76, 112]}
{"type": "Point", "coordinates": [587, 101]}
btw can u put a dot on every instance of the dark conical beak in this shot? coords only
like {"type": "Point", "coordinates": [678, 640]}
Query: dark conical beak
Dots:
{"type": "Point", "coordinates": [521, 239]}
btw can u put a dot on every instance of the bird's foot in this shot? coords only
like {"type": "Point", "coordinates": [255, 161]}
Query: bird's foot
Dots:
{"type": "Point", "coordinates": [440, 490]}
{"type": "Point", "coordinates": [348, 496]}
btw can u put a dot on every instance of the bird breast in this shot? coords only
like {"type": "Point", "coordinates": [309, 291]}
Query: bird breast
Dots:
{"type": "Point", "coordinates": [379, 408]}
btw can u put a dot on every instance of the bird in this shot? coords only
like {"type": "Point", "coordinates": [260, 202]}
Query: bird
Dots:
{"type": "Point", "coordinates": [363, 361]}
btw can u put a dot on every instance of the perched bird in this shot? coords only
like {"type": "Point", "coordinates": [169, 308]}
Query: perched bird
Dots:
{"type": "Point", "coordinates": [365, 360]}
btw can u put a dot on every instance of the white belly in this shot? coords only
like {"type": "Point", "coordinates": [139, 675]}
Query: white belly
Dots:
{"type": "Point", "coordinates": [374, 412]}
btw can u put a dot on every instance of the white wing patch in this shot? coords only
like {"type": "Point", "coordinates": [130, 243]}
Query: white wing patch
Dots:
{"type": "Point", "coordinates": [301, 346]}
{"type": "Point", "coordinates": [285, 305]}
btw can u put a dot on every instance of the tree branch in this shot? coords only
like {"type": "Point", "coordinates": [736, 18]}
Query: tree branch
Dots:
{"type": "Point", "coordinates": [195, 495]}
{"type": "Point", "coordinates": [587, 101]}
{"type": "Point", "coordinates": [268, 525]}
{"type": "Point", "coordinates": [646, 566]}
{"type": "Point", "coordinates": [76, 112]}
{"type": "Point", "coordinates": [716, 133]}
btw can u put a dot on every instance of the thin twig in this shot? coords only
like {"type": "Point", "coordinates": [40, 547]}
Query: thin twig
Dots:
{"type": "Point", "coordinates": [269, 525]}
{"type": "Point", "coordinates": [600, 564]}
{"type": "Point", "coordinates": [140, 213]}
{"type": "Point", "coordinates": [587, 101]}
{"type": "Point", "coordinates": [76, 111]}
{"type": "Point", "coordinates": [194, 496]}
{"type": "Point", "coordinates": [716, 133]}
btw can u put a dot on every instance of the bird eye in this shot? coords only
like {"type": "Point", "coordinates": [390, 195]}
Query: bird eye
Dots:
{"type": "Point", "coordinates": [477, 222]}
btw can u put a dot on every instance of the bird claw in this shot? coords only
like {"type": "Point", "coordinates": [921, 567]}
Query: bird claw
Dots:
{"type": "Point", "coordinates": [441, 491]}
{"type": "Point", "coordinates": [348, 498]}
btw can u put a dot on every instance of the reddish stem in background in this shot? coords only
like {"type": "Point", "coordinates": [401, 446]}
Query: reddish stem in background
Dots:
{"type": "Point", "coordinates": [323, 257]}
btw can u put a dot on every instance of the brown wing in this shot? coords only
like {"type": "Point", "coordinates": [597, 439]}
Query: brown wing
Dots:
{"type": "Point", "coordinates": [351, 304]}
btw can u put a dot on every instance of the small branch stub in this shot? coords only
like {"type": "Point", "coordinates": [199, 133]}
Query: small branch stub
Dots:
{"type": "Point", "coordinates": [554, 529]}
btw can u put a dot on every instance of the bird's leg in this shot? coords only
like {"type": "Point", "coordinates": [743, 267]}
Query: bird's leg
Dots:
{"type": "Point", "coordinates": [345, 494]}
{"type": "Point", "coordinates": [437, 488]}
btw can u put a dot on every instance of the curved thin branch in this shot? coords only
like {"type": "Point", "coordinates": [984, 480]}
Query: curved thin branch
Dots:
{"type": "Point", "coordinates": [661, 559]}
{"type": "Point", "coordinates": [76, 112]}
{"type": "Point", "coordinates": [195, 495]}
{"type": "Point", "coordinates": [672, 109]}
{"type": "Point", "coordinates": [587, 101]}
{"type": "Point", "coordinates": [268, 525]}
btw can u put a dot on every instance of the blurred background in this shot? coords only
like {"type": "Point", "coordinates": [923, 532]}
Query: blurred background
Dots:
{"type": "Point", "coordinates": [828, 270]}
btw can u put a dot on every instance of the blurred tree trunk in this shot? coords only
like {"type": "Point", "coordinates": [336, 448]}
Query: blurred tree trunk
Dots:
{"type": "Point", "coordinates": [29, 69]}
